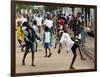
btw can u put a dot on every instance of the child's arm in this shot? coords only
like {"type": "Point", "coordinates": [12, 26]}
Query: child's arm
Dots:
{"type": "Point", "coordinates": [60, 45]}
{"type": "Point", "coordinates": [43, 38]}
{"type": "Point", "coordinates": [37, 37]}
{"type": "Point", "coordinates": [59, 50]}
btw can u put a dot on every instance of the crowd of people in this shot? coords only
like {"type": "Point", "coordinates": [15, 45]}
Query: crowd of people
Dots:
{"type": "Point", "coordinates": [42, 27]}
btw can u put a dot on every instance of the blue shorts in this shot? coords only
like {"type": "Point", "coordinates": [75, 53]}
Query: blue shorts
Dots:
{"type": "Point", "coordinates": [47, 45]}
{"type": "Point", "coordinates": [29, 46]}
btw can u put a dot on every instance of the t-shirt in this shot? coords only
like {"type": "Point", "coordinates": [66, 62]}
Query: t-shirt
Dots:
{"type": "Point", "coordinates": [79, 20]}
{"type": "Point", "coordinates": [66, 39]}
{"type": "Point", "coordinates": [35, 28]}
{"type": "Point", "coordinates": [48, 23]}
{"type": "Point", "coordinates": [61, 22]}
{"type": "Point", "coordinates": [24, 20]}
{"type": "Point", "coordinates": [47, 37]}
{"type": "Point", "coordinates": [70, 17]}
{"type": "Point", "coordinates": [39, 21]}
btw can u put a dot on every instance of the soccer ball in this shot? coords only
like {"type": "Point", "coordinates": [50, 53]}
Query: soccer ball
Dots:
{"type": "Point", "coordinates": [87, 29]}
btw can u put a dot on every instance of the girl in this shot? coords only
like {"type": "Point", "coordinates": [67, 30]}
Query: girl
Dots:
{"type": "Point", "coordinates": [70, 45]}
{"type": "Point", "coordinates": [47, 41]}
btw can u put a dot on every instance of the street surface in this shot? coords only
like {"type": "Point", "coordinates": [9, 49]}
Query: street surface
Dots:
{"type": "Point", "coordinates": [56, 62]}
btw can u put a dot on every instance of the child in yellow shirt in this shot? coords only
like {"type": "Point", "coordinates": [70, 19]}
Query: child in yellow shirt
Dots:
{"type": "Point", "coordinates": [19, 33]}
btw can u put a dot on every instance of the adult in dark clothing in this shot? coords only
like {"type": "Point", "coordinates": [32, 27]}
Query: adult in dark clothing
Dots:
{"type": "Point", "coordinates": [77, 25]}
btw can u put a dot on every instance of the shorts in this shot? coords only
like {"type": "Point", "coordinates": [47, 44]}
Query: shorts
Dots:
{"type": "Point", "coordinates": [74, 47]}
{"type": "Point", "coordinates": [29, 46]}
{"type": "Point", "coordinates": [39, 25]}
{"type": "Point", "coordinates": [47, 45]}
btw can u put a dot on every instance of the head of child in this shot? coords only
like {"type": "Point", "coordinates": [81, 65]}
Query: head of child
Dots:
{"type": "Point", "coordinates": [65, 29]}
{"type": "Point", "coordinates": [29, 27]}
{"type": "Point", "coordinates": [46, 29]}
{"type": "Point", "coordinates": [49, 17]}
{"type": "Point", "coordinates": [39, 15]}
{"type": "Point", "coordinates": [19, 23]}
{"type": "Point", "coordinates": [82, 29]}
{"type": "Point", "coordinates": [34, 22]}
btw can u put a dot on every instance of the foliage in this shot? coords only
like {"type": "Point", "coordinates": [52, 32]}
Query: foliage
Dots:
{"type": "Point", "coordinates": [50, 8]}
{"type": "Point", "coordinates": [22, 6]}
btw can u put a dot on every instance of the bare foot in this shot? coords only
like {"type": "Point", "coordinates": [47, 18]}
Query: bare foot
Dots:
{"type": "Point", "coordinates": [49, 54]}
{"type": "Point", "coordinates": [45, 56]}
{"type": "Point", "coordinates": [33, 65]}
{"type": "Point", "coordinates": [59, 51]}
{"type": "Point", "coordinates": [23, 63]}
{"type": "Point", "coordinates": [83, 58]}
{"type": "Point", "coordinates": [22, 50]}
{"type": "Point", "coordinates": [72, 68]}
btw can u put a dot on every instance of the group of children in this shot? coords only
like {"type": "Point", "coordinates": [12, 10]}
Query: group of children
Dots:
{"type": "Point", "coordinates": [29, 32]}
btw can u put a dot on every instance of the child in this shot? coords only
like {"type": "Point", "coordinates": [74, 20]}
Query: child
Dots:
{"type": "Point", "coordinates": [47, 41]}
{"type": "Point", "coordinates": [58, 37]}
{"type": "Point", "coordinates": [30, 39]}
{"type": "Point", "coordinates": [83, 36]}
{"type": "Point", "coordinates": [39, 22]}
{"type": "Point", "coordinates": [19, 33]}
{"type": "Point", "coordinates": [36, 31]}
{"type": "Point", "coordinates": [25, 33]}
{"type": "Point", "coordinates": [70, 45]}
{"type": "Point", "coordinates": [59, 31]}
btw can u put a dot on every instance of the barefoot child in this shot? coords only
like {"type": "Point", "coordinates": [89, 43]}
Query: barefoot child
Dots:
{"type": "Point", "coordinates": [34, 26]}
{"type": "Point", "coordinates": [70, 45]}
{"type": "Point", "coordinates": [47, 42]}
{"type": "Point", "coordinates": [19, 33]}
{"type": "Point", "coordinates": [31, 36]}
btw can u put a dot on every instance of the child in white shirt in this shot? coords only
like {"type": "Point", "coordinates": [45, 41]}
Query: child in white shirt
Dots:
{"type": "Point", "coordinates": [71, 45]}
{"type": "Point", "coordinates": [39, 22]}
{"type": "Point", "coordinates": [47, 42]}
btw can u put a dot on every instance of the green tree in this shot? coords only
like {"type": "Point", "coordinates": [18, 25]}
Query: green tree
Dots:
{"type": "Point", "coordinates": [23, 6]}
{"type": "Point", "coordinates": [50, 8]}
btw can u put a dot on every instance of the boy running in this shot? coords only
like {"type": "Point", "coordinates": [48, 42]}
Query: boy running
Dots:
{"type": "Point", "coordinates": [30, 39]}
{"type": "Point", "coordinates": [70, 45]}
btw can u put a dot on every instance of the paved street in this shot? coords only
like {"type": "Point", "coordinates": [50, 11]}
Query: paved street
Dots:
{"type": "Point", "coordinates": [56, 62]}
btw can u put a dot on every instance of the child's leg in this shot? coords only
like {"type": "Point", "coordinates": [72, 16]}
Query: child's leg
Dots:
{"type": "Point", "coordinates": [20, 42]}
{"type": "Point", "coordinates": [74, 47]}
{"type": "Point", "coordinates": [82, 58]}
{"type": "Point", "coordinates": [73, 60]}
{"type": "Point", "coordinates": [23, 47]}
{"type": "Point", "coordinates": [36, 45]}
{"type": "Point", "coordinates": [45, 52]}
{"type": "Point", "coordinates": [25, 54]}
{"type": "Point", "coordinates": [57, 40]}
{"type": "Point", "coordinates": [55, 44]}
{"type": "Point", "coordinates": [49, 52]}
{"type": "Point", "coordinates": [59, 49]}
{"type": "Point", "coordinates": [32, 57]}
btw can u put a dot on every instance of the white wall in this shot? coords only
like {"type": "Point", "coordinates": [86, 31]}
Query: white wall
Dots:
{"type": "Point", "coordinates": [5, 38]}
